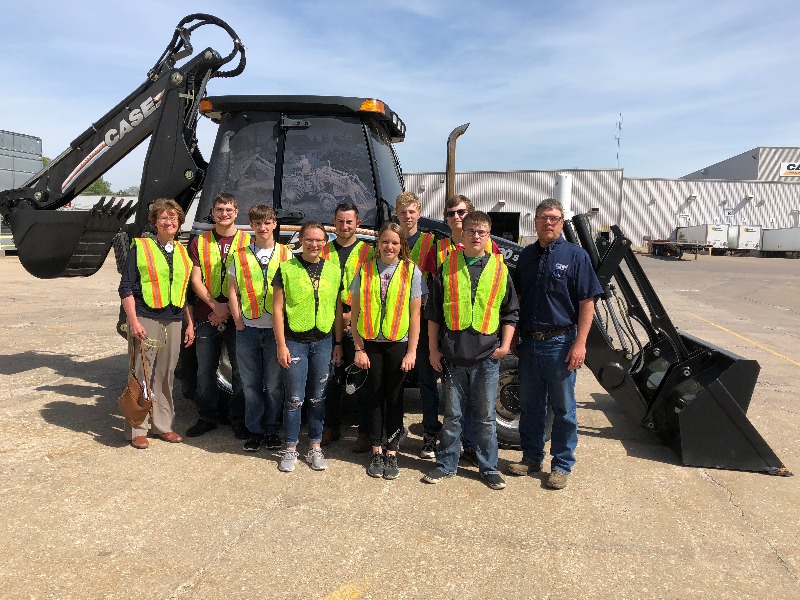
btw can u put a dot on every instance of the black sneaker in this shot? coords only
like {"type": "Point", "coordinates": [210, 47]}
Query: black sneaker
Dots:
{"type": "Point", "coordinates": [273, 442]}
{"type": "Point", "coordinates": [375, 468]}
{"type": "Point", "coordinates": [436, 476]}
{"type": "Point", "coordinates": [428, 445]}
{"type": "Point", "coordinates": [253, 443]}
{"type": "Point", "coordinates": [202, 426]}
{"type": "Point", "coordinates": [471, 455]}
{"type": "Point", "coordinates": [240, 431]}
{"type": "Point", "coordinates": [493, 480]}
{"type": "Point", "coordinates": [390, 470]}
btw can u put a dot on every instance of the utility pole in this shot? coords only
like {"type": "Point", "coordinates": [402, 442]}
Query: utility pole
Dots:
{"type": "Point", "coordinates": [618, 136]}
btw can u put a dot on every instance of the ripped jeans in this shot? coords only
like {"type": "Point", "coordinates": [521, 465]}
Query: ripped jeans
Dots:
{"type": "Point", "coordinates": [307, 374]}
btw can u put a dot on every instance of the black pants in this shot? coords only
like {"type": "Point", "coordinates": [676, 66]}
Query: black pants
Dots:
{"type": "Point", "coordinates": [385, 386]}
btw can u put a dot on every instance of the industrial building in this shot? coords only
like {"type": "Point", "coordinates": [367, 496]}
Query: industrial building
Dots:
{"type": "Point", "coordinates": [20, 159]}
{"type": "Point", "coordinates": [762, 192]}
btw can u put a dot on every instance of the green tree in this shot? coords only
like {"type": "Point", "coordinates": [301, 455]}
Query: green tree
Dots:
{"type": "Point", "coordinates": [99, 188]}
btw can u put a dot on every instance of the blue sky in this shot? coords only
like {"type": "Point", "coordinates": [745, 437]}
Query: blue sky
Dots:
{"type": "Point", "coordinates": [541, 82]}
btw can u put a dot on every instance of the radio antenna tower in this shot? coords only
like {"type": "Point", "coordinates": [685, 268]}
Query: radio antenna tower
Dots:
{"type": "Point", "coordinates": [618, 136]}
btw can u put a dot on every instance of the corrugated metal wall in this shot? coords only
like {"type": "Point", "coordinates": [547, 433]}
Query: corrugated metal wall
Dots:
{"type": "Point", "coordinates": [656, 207]}
{"type": "Point", "coordinates": [20, 158]}
{"type": "Point", "coordinates": [769, 162]}
{"type": "Point", "coordinates": [520, 192]}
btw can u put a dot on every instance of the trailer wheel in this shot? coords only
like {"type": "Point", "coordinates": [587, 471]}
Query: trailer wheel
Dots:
{"type": "Point", "coordinates": [507, 407]}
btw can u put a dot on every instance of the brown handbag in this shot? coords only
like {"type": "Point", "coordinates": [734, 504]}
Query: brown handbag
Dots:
{"type": "Point", "coordinates": [136, 403]}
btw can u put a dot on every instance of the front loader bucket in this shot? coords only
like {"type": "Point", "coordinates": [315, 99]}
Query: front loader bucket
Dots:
{"type": "Point", "coordinates": [57, 243]}
{"type": "Point", "coordinates": [699, 408]}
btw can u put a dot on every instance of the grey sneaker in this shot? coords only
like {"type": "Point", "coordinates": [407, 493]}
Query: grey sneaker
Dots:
{"type": "Point", "coordinates": [436, 476]}
{"type": "Point", "coordinates": [288, 460]}
{"type": "Point", "coordinates": [524, 467]}
{"type": "Point", "coordinates": [557, 480]}
{"type": "Point", "coordinates": [375, 468]}
{"type": "Point", "coordinates": [493, 480]}
{"type": "Point", "coordinates": [390, 470]}
{"type": "Point", "coordinates": [316, 459]}
{"type": "Point", "coordinates": [428, 445]}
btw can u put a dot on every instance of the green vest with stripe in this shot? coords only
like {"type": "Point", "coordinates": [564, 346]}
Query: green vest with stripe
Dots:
{"type": "Point", "coordinates": [160, 288]}
{"type": "Point", "coordinates": [303, 310]}
{"type": "Point", "coordinates": [359, 255]}
{"type": "Point", "coordinates": [460, 312]}
{"type": "Point", "coordinates": [391, 318]}
{"type": "Point", "coordinates": [215, 273]}
{"type": "Point", "coordinates": [255, 285]}
{"type": "Point", "coordinates": [422, 247]}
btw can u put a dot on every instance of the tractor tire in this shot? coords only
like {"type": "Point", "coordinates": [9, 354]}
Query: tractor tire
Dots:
{"type": "Point", "coordinates": [507, 408]}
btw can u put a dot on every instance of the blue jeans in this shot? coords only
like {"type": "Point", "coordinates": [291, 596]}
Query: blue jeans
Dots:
{"type": "Point", "coordinates": [209, 340]}
{"type": "Point", "coordinates": [426, 380]}
{"type": "Point", "coordinates": [469, 389]}
{"type": "Point", "coordinates": [262, 379]}
{"type": "Point", "coordinates": [543, 378]}
{"type": "Point", "coordinates": [308, 375]}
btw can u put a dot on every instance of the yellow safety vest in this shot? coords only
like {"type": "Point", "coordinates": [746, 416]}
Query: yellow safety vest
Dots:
{"type": "Point", "coordinates": [445, 246]}
{"type": "Point", "coordinates": [215, 274]}
{"type": "Point", "coordinates": [423, 245]}
{"type": "Point", "coordinates": [460, 312]}
{"type": "Point", "coordinates": [358, 256]}
{"type": "Point", "coordinates": [392, 316]}
{"type": "Point", "coordinates": [300, 299]}
{"type": "Point", "coordinates": [255, 286]}
{"type": "Point", "coordinates": [160, 288]}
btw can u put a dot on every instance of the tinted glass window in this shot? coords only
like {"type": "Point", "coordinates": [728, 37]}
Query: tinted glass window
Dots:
{"type": "Point", "coordinates": [243, 162]}
{"type": "Point", "coordinates": [389, 182]}
{"type": "Point", "coordinates": [325, 164]}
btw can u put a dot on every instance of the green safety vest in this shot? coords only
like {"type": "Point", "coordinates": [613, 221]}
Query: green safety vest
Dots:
{"type": "Point", "coordinates": [255, 286]}
{"type": "Point", "coordinates": [215, 273]}
{"type": "Point", "coordinates": [300, 300]}
{"type": "Point", "coordinates": [424, 244]}
{"type": "Point", "coordinates": [392, 316]}
{"type": "Point", "coordinates": [460, 312]}
{"type": "Point", "coordinates": [445, 246]}
{"type": "Point", "coordinates": [160, 288]}
{"type": "Point", "coordinates": [359, 255]}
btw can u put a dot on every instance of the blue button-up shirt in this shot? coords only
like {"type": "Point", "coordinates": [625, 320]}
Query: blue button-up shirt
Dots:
{"type": "Point", "coordinates": [551, 283]}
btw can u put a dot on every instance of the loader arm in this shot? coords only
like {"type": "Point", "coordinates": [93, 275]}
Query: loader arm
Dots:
{"type": "Point", "coordinates": [692, 394]}
{"type": "Point", "coordinates": [164, 107]}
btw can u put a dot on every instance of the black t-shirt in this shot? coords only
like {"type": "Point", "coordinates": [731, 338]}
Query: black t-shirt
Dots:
{"type": "Point", "coordinates": [314, 271]}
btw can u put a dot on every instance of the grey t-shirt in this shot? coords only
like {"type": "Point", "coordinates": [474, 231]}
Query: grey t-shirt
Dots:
{"type": "Point", "coordinates": [262, 255]}
{"type": "Point", "coordinates": [418, 287]}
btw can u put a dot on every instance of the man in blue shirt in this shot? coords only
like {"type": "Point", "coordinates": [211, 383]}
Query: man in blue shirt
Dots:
{"type": "Point", "coordinates": [557, 287]}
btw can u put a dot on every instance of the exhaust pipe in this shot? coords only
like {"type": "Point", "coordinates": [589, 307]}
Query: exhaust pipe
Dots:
{"type": "Point", "coordinates": [450, 170]}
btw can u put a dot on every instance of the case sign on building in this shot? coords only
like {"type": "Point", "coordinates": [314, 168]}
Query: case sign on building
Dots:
{"type": "Point", "coordinates": [790, 169]}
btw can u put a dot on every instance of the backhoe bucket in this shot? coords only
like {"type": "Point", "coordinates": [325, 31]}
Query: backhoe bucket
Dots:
{"type": "Point", "coordinates": [699, 407]}
{"type": "Point", "coordinates": [56, 243]}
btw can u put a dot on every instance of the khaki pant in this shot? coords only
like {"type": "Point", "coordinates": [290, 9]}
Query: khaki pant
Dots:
{"type": "Point", "coordinates": [161, 363]}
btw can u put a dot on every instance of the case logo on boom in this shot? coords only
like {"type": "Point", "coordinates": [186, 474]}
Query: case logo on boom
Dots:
{"type": "Point", "coordinates": [135, 117]}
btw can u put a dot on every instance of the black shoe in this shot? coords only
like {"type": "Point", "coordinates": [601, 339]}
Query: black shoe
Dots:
{"type": "Point", "coordinates": [240, 431]}
{"type": "Point", "coordinates": [253, 443]}
{"type": "Point", "coordinates": [273, 442]}
{"type": "Point", "coordinates": [375, 468]}
{"type": "Point", "coordinates": [202, 426]}
{"type": "Point", "coordinates": [493, 480]}
{"type": "Point", "coordinates": [390, 470]}
{"type": "Point", "coordinates": [471, 455]}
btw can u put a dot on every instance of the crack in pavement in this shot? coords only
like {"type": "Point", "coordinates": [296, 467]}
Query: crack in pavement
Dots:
{"type": "Point", "coordinates": [706, 475]}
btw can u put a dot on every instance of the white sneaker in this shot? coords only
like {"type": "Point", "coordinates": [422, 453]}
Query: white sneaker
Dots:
{"type": "Point", "coordinates": [316, 459]}
{"type": "Point", "coordinates": [288, 460]}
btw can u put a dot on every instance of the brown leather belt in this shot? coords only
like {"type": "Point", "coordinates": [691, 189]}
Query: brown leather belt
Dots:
{"type": "Point", "coordinates": [546, 335]}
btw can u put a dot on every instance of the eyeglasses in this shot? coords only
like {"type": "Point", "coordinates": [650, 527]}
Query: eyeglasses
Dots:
{"type": "Point", "coordinates": [168, 220]}
{"type": "Point", "coordinates": [313, 241]}
{"type": "Point", "coordinates": [476, 233]}
{"type": "Point", "coordinates": [224, 210]}
{"type": "Point", "coordinates": [449, 214]}
{"type": "Point", "coordinates": [550, 220]}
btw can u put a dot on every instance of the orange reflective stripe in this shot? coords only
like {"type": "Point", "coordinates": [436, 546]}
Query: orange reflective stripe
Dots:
{"type": "Point", "coordinates": [454, 315]}
{"type": "Point", "coordinates": [398, 307]}
{"type": "Point", "coordinates": [326, 251]}
{"type": "Point", "coordinates": [427, 242]}
{"type": "Point", "coordinates": [153, 274]}
{"type": "Point", "coordinates": [206, 262]}
{"type": "Point", "coordinates": [366, 286]}
{"type": "Point", "coordinates": [187, 266]}
{"type": "Point", "coordinates": [248, 283]}
{"type": "Point", "coordinates": [493, 294]}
